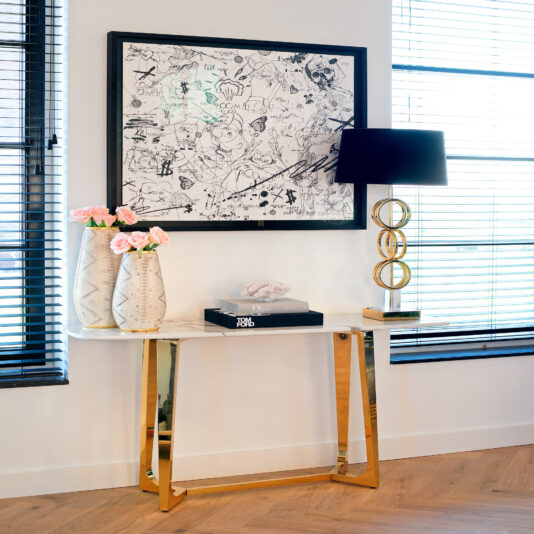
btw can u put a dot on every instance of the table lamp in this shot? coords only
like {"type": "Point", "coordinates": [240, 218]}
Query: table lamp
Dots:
{"type": "Point", "coordinates": [392, 157]}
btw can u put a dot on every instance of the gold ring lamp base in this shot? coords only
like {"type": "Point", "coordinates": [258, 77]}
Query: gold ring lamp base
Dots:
{"type": "Point", "coordinates": [391, 245]}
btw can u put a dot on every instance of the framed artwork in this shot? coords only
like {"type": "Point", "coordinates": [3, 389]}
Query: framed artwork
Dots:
{"type": "Point", "coordinates": [228, 134]}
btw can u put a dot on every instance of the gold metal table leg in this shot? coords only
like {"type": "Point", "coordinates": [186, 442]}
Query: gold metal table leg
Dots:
{"type": "Point", "coordinates": [160, 374]}
{"type": "Point", "coordinates": [342, 358]}
{"type": "Point", "coordinates": [149, 396]}
{"type": "Point", "coordinates": [158, 367]}
{"type": "Point", "coordinates": [342, 349]}
{"type": "Point", "coordinates": [169, 496]}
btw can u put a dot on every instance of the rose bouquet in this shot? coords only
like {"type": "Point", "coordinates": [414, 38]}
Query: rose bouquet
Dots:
{"type": "Point", "coordinates": [99, 216]}
{"type": "Point", "coordinates": [139, 241]}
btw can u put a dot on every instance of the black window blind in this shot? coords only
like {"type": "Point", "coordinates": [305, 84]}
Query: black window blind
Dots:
{"type": "Point", "coordinates": [468, 69]}
{"type": "Point", "coordinates": [31, 193]}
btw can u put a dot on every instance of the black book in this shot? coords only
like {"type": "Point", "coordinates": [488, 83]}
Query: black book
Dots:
{"type": "Point", "coordinates": [274, 320]}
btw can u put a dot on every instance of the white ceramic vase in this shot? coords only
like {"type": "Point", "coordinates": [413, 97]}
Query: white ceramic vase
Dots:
{"type": "Point", "coordinates": [95, 279]}
{"type": "Point", "coordinates": [139, 302]}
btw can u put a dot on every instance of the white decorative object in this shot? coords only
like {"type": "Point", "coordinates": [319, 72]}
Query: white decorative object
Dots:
{"type": "Point", "coordinates": [139, 302]}
{"type": "Point", "coordinates": [95, 278]}
{"type": "Point", "coordinates": [266, 290]}
{"type": "Point", "coordinates": [252, 306]}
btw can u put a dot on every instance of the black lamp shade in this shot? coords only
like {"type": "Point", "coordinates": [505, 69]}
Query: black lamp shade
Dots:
{"type": "Point", "coordinates": [388, 156]}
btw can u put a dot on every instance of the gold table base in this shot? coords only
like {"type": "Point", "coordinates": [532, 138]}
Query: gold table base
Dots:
{"type": "Point", "coordinates": [170, 496]}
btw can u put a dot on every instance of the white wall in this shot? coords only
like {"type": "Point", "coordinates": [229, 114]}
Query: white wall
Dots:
{"type": "Point", "coordinates": [245, 405]}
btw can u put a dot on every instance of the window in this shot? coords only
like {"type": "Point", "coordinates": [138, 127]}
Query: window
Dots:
{"type": "Point", "coordinates": [468, 69]}
{"type": "Point", "coordinates": [31, 193]}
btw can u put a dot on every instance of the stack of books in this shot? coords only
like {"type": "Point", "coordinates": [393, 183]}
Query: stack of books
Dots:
{"type": "Point", "coordinates": [255, 313]}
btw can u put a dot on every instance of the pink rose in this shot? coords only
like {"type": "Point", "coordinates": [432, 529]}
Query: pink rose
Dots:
{"type": "Point", "coordinates": [139, 240]}
{"type": "Point", "coordinates": [107, 219]}
{"type": "Point", "coordinates": [120, 243]}
{"type": "Point", "coordinates": [80, 215]}
{"type": "Point", "coordinates": [158, 236]}
{"type": "Point", "coordinates": [126, 215]}
{"type": "Point", "coordinates": [97, 210]}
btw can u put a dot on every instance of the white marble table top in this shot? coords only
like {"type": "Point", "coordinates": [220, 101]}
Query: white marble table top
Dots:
{"type": "Point", "coordinates": [352, 322]}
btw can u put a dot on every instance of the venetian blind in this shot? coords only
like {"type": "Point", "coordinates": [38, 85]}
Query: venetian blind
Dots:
{"type": "Point", "coordinates": [31, 193]}
{"type": "Point", "coordinates": [468, 69]}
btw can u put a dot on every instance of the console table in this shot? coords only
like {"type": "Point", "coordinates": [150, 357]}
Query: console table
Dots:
{"type": "Point", "coordinates": [160, 365]}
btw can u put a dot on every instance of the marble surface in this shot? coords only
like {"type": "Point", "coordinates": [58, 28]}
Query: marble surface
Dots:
{"type": "Point", "coordinates": [167, 330]}
{"type": "Point", "coordinates": [198, 328]}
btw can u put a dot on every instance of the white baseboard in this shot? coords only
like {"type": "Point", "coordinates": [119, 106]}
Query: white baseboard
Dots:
{"type": "Point", "coordinates": [68, 478]}
{"type": "Point", "coordinates": [217, 464]}
{"type": "Point", "coordinates": [245, 462]}
{"type": "Point", "coordinates": [474, 439]}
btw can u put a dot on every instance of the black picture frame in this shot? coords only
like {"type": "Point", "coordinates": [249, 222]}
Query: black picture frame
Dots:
{"type": "Point", "coordinates": [115, 127]}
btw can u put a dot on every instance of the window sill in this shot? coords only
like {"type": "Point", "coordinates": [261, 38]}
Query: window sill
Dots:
{"type": "Point", "coordinates": [33, 382]}
{"type": "Point", "coordinates": [466, 354]}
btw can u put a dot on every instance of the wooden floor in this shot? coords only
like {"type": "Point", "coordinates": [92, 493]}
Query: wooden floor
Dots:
{"type": "Point", "coordinates": [486, 492]}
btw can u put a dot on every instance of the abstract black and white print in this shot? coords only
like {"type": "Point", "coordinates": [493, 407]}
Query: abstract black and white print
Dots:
{"type": "Point", "coordinates": [223, 134]}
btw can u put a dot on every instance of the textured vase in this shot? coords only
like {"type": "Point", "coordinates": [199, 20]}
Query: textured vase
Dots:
{"type": "Point", "coordinates": [139, 302]}
{"type": "Point", "coordinates": [95, 279]}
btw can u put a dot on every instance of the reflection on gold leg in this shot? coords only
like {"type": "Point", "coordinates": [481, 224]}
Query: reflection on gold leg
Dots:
{"type": "Point", "coordinates": [169, 496]}
{"type": "Point", "coordinates": [147, 480]}
{"type": "Point", "coordinates": [366, 357]}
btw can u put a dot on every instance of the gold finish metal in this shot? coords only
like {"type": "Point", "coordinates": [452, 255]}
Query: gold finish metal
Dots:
{"type": "Point", "coordinates": [392, 269]}
{"type": "Point", "coordinates": [149, 396]}
{"type": "Point", "coordinates": [254, 484]}
{"type": "Point", "coordinates": [366, 356]}
{"type": "Point", "coordinates": [390, 239]}
{"type": "Point", "coordinates": [406, 213]}
{"type": "Point", "coordinates": [141, 330]}
{"type": "Point", "coordinates": [169, 496]}
{"type": "Point", "coordinates": [370, 477]}
{"type": "Point", "coordinates": [391, 244]}
{"type": "Point", "coordinates": [381, 315]}
{"type": "Point", "coordinates": [342, 359]}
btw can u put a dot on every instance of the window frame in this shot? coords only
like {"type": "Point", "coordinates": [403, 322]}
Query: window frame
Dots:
{"type": "Point", "coordinates": [413, 349]}
{"type": "Point", "coordinates": [32, 354]}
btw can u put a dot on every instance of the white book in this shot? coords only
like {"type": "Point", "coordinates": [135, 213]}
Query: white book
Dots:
{"type": "Point", "coordinates": [248, 306]}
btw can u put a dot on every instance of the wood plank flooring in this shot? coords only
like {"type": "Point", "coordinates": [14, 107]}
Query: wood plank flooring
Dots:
{"type": "Point", "coordinates": [481, 492]}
